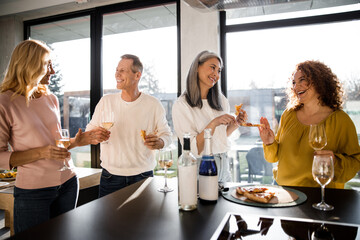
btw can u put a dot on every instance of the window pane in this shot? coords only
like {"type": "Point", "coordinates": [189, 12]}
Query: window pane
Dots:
{"type": "Point", "coordinates": [259, 63]}
{"type": "Point", "coordinates": [70, 42]}
{"type": "Point", "coordinates": [150, 34]}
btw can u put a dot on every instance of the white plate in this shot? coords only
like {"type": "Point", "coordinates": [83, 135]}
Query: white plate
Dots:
{"type": "Point", "coordinates": [4, 184]}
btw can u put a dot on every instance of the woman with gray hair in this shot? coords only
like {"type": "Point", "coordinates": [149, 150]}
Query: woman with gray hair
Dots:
{"type": "Point", "coordinates": [202, 106]}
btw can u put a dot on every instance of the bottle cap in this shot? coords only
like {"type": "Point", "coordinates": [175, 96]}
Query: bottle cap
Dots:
{"type": "Point", "coordinates": [186, 141]}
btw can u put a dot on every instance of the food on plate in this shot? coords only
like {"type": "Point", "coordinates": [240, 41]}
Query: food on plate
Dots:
{"type": "Point", "coordinates": [242, 190]}
{"type": "Point", "coordinates": [263, 197]}
{"type": "Point", "coordinates": [143, 134]}
{"type": "Point", "coordinates": [6, 175]}
{"type": "Point", "coordinates": [237, 109]}
{"type": "Point", "coordinates": [257, 194]}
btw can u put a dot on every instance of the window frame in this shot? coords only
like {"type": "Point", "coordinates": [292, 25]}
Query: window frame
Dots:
{"type": "Point", "coordinates": [301, 21]}
{"type": "Point", "coordinates": [96, 31]}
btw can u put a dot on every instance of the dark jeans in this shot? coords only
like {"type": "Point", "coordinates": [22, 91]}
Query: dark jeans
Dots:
{"type": "Point", "coordinates": [34, 206]}
{"type": "Point", "coordinates": [110, 183]}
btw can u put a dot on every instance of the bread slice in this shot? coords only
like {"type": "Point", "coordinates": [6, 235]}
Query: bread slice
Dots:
{"type": "Point", "coordinates": [237, 109]}
{"type": "Point", "coordinates": [143, 134]}
{"type": "Point", "coordinates": [252, 125]}
{"type": "Point", "coordinates": [263, 197]}
{"type": "Point", "coordinates": [242, 190]}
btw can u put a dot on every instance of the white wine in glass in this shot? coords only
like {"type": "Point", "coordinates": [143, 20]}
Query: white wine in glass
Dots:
{"type": "Point", "coordinates": [317, 137]}
{"type": "Point", "coordinates": [63, 141]}
{"type": "Point", "coordinates": [323, 173]}
{"type": "Point", "coordinates": [107, 120]}
{"type": "Point", "coordinates": [165, 161]}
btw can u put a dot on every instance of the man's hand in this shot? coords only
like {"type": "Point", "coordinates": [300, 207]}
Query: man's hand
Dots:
{"type": "Point", "coordinates": [94, 136]}
{"type": "Point", "coordinates": [153, 142]}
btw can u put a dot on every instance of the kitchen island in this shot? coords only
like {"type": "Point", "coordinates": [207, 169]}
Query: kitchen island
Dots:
{"type": "Point", "coordinates": [139, 211]}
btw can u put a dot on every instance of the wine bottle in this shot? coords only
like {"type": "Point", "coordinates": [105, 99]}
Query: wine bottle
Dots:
{"type": "Point", "coordinates": [208, 175]}
{"type": "Point", "coordinates": [187, 178]}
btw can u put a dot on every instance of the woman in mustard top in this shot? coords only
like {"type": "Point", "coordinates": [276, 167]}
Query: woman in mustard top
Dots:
{"type": "Point", "coordinates": [315, 96]}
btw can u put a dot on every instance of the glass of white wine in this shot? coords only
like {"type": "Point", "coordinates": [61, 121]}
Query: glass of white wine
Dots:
{"type": "Point", "coordinates": [317, 137]}
{"type": "Point", "coordinates": [63, 141]}
{"type": "Point", "coordinates": [323, 173]}
{"type": "Point", "coordinates": [107, 121]}
{"type": "Point", "coordinates": [165, 161]}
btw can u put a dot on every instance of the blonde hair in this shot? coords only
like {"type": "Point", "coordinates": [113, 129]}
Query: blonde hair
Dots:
{"type": "Point", "coordinates": [25, 69]}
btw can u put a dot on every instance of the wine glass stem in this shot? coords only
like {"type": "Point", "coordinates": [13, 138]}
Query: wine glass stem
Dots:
{"type": "Point", "coordinates": [165, 168]}
{"type": "Point", "coordinates": [322, 193]}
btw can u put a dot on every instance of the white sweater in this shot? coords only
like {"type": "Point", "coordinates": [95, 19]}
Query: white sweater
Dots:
{"type": "Point", "coordinates": [194, 120]}
{"type": "Point", "coordinates": [125, 154]}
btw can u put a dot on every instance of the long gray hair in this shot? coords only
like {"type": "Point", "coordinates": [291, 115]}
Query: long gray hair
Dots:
{"type": "Point", "coordinates": [193, 93]}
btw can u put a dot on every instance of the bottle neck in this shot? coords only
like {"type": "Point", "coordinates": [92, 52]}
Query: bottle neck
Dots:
{"type": "Point", "coordinates": [207, 147]}
{"type": "Point", "coordinates": [186, 144]}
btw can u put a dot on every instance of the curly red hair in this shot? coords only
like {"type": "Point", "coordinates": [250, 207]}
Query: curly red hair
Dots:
{"type": "Point", "coordinates": [324, 81]}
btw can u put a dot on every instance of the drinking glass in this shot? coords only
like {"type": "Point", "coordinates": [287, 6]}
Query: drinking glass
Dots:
{"type": "Point", "coordinates": [63, 140]}
{"type": "Point", "coordinates": [165, 161]}
{"type": "Point", "coordinates": [323, 173]}
{"type": "Point", "coordinates": [317, 137]}
{"type": "Point", "coordinates": [322, 232]}
{"type": "Point", "coordinates": [107, 121]}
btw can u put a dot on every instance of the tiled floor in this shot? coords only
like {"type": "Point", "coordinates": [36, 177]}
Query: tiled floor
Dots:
{"type": "Point", "coordinates": [4, 232]}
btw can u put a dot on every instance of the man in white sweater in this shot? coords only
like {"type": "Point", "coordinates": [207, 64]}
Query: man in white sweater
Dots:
{"type": "Point", "coordinates": [127, 158]}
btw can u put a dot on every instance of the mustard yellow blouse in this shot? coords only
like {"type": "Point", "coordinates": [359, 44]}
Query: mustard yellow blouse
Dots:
{"type": "Point", "coordinates": [294, 155]}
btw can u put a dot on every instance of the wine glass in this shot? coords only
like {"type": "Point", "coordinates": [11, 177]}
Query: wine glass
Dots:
{"type": "Point", "coordinates": [317, 137]}
{"type": "Point", "coordinates": [63, 140]}
{"type": "Point", "coordinates": [323, 173]}
{"type": "Point", "coordinates": [165, 161]}
{"type": "Point", "coordinates": [322, 232]}
{"type": "Point", "coordinates": [107, 121]}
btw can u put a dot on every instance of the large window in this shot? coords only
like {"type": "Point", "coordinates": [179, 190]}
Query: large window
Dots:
{"type": "Point", "coordinates": [260, 57]}
{"type": "Point", "coordinates": [147, 29]}
{"type": "Point", "coordinates": [70, 41]}
{"type": "Point", "coordinates": [150, 34]}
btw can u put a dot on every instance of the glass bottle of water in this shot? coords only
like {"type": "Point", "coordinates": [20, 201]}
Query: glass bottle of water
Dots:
{"type": "Point", "coordinates": [208, 174]}
{"type": "Point", "coordinates": [187, 178]}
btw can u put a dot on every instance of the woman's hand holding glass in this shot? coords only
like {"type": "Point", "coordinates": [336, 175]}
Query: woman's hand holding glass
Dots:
{"type": "Point", "coordinates": [62, 140]}
{"type": "Point", "coordinates": [53, 152]}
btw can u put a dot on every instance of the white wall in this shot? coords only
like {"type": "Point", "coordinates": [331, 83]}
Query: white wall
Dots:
{"type": "Point", "coordinates": [199, 31]}
{"type": "Point", "coordinates": [11, 32]}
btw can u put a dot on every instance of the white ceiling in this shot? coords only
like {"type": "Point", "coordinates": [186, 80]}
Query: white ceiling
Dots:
{"type": "Point", "coordinates": [135, 20]}
{"type": "Point", "coordinates": [31, 9]}
{"type": "Point", "coordinates": [118, 22]}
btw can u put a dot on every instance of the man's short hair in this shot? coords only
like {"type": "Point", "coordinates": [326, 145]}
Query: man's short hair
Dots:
{"type": "Point", "coordinates": [137, 66]}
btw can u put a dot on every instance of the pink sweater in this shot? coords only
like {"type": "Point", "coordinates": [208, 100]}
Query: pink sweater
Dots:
{"type": "Point", "coordinates": [26, 127]}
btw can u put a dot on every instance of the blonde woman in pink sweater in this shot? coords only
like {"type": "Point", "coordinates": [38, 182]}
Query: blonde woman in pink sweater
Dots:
{"type": "Point", "coordinates": [29, 120]}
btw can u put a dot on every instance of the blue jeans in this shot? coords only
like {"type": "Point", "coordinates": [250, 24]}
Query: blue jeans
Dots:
{"type": "Point", "coordinates": [110, 183]}
{"type": "Point", "coordinates": [34, 206]}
